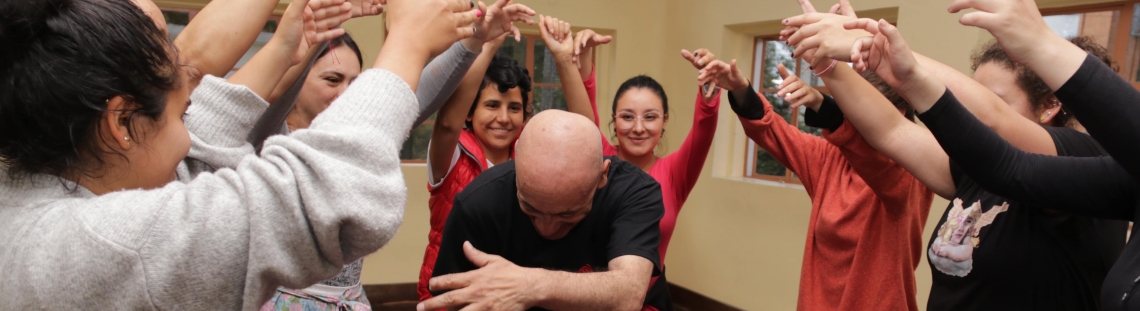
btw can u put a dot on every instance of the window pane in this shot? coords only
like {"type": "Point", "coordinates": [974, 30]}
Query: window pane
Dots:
{"type": "Point", "coordinates": [757, 64]}
{"type": "Point", "coordinates": [547, 98]}
{"type": "Point", "coordinates": [175, 22]}
{"type": "Point", "coordinates": [516, 50]}
{"type": "Point", "coordinates": [416, 147]}
{"type": "Point", "coordinates": [1098, 25]}
{"type": "Point", "coordinates": [544, 68]}
{"type": "Point", "coordinates": [775, 53]}
{"type": "Point", "coordinates": [767, 165]}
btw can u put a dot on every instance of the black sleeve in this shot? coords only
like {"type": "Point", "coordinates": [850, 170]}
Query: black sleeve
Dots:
{"type": "Point", "coordinates": [1109, 107]}
{"type": "Point", "coordinates": [460, 227]}
{"type": "Point", "coordinates": [748, 106]}
{"type": "Point", "coordinates": [1091, 186]}
{"type": "Point", "coordinates": [828, 117]}
{"type": "Point", "coordinates": [637, 225]}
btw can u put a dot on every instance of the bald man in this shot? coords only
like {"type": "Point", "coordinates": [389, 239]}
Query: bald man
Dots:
{"type": "Point", "coordinates": [560, 227]}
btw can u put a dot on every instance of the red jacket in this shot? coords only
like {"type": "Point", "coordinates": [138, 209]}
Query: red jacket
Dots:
{"type": "Point", "coordinates": [471, 163]}
{"type": "Point", "coordinates": [864, 237]}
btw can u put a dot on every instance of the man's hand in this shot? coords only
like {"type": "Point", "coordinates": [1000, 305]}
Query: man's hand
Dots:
{"type": "Point", "coordinates": [795, 91]}
{"type": "Point", "coordinates": [498, 284]}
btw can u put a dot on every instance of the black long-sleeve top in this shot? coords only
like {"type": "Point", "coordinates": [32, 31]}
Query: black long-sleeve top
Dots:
{"type": "Point", "coordinates": [1091, 186]}
{"type": "Point", "coordinates": [1108, 107]}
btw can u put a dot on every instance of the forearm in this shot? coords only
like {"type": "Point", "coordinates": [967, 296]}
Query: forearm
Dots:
{"type": "Point", "coordinates": [1055, 60]}
{"type": "Point", "coordinates": [611, 290]}
{"type": "Point", "coordinates": [1108, 107]}
{"type": "Point", "coordinates": [577, 101]}
{"type": "Point", "coordinates": [442, 77]}
{"type": "Point", "coordinates": [264, 71]}
{"type": "Point", "coordinates": [215, 50]}
{"type": "Point", "coordinates": [293, 74]}
{"type": "Point", "coordinates": [990, 109]}
{"type": "Point", "coordinates": [586, 63]}
{"type": "Point", "coordinates": [1087, 186]}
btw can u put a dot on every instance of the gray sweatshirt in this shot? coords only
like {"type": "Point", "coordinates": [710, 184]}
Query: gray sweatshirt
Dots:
{"type": "Point", "coordinates": [312, 201]}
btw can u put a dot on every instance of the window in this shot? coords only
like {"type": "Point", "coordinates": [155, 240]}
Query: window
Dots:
{"type": "Point", "coordinates": [1115, 26]}
{"type": "Point", "coordinates": [177, 19]}
{"type": "Point", "coordinates": [546, 90]}
{"type": "Point", "coordinates": [768, 53]}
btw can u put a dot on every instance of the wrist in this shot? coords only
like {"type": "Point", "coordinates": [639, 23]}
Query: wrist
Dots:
{"type": "Point", "coordinates": [282, 50]}
{"type": "Point", "coordinates": [541, 293]}
{"type": "Point", "coordinates": [472, 44]}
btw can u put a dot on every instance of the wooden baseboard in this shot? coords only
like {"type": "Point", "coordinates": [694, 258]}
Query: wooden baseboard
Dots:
{"type": "Point", "coordinates": [402, 296]}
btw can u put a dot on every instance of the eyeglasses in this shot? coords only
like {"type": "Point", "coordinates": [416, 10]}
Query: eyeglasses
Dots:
{"type": "Point", "coordinates": [628, 119]}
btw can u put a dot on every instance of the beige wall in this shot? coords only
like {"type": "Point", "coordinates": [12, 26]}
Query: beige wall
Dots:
{"type": "Point", "coordinates": [738, 241]}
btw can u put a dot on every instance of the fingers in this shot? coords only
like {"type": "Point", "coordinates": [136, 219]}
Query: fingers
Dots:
{"type": "Point", "coordinates": [476, 256]}
{"type": "Point", "coordinates": [846, 9]}
{"type": "Point", "coordinates": [452, 281]}
{"type": "Point", "coordinates": [959, 5]}
{"type": "Point", "coordinates": [309, 27]}
{"type": "Point", "coordinates": [463, 23]}
{"type": "Point", "coordinates": [783, 71]}
{"type": "Point", "coordinates": [705, 57]}
{"type": "Point", "coordinates": [517, 33]}
{"type": "Point", "coordinates": [806, 6]}
{"type": "Point", "coordinates": [797, 94]}
{"type": "Point", "coordinates": [807, 45]}
{"type": "Point", "coordinates": [984, 20]}
{"type": "Point", "coordinates": [867, 24]}
{"type": "Point", "coordinates": [858, 52]}
{"type": "Point", "coordinates": [803, 19]}
{"type": "Point", "coordinates": [447, 300]}
{"type": "Point", "coordinates": [834, 9]}
{"type": "Point", "coordinates": [805, 32]}
{"type": "Point", "coordinates": [328, 35]}
{"type": "Point", "coordinates": [788, 32]}
{"type": "Point", "coordinates": [566, 32]}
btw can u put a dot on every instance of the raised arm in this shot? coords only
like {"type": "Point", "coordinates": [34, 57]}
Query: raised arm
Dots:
{"type": "Point", "coordinates": [452, 117]}
{"type": "Point", "coordinates": [825, 35]}
{"type": "Point", "coordinates": [796, 150]}
{"type": "Point", "coordinates": [1085, 186]}
{"type": "Point", "coordinates": [296, 34]}
{"type": "Point", "coordinates": [560, 40]}
{"type": "Point", "coordinates": [212, 49]}
{"type": "Point", "coordinates": [686, 163]}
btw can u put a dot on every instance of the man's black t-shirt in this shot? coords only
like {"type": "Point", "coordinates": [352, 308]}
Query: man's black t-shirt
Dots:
{"type": "Point", "coordinates": [624, 220]}
{"type": "Point", "coordinates": [996, 254]}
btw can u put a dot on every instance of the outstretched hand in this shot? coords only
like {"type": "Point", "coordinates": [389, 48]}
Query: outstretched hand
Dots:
{"type": "Point", "coordinates": [796, 91]}
{"type": "Point", "coordinates": [896, 64]}
{"type": "Point", "coordinates": [558, 38]}
{"type": "Point", "coordinates": [497, 284]}
{"type": "Point", "coordinates": [700, 58]}
{"type": "Point", "coordinates": [801, 31]}
{"type": "Point", "coordinates": [725, 75]}
{"type": "Point", "coordinates": [1016, 24]}
{"type": "Point", "coordinates": [585, 41]}
{"type": "Point", "coordinates": [308, 23]}
{"type": "Point", "coordinates": [430, 26]}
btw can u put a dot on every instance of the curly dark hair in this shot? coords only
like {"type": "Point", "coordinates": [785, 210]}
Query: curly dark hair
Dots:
{"type": "Point", "coordinates": [61, 61]}
{"type": "Point", "coordinates": [1036, 89]}
{"type": "Point", "coordinates": [506, 73]}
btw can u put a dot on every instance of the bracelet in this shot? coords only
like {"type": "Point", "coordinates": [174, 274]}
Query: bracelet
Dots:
{"type": "Point", "coordinates": [825, 70]}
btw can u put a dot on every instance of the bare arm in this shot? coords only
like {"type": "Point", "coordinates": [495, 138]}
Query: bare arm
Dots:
{"type": "Point", "coordinates": [558, 37]}
{"type": "Point", "coordinates": [214, 50]}
{"type": "Point", "coordinates": [449, 123]}
{"type": "Point", "coordinates": [884, 128]}
{"type": "Point", "coordinates": [623, 287]}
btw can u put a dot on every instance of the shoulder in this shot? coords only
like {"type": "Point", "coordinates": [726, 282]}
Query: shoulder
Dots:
{"type": "Point", "coordinates": [627, 181]}
{"type": "Point", "coordinates": [488, 191]}
{"type": "Point", "coordinates": [1073, 143]}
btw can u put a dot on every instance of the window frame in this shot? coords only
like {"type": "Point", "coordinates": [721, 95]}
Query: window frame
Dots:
{"type": "Point", "coordinates": [751, 148]}
{"type": "Point", "coordinates": [1119, 52]}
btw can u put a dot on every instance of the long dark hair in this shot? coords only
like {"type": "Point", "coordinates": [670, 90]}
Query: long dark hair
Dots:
{"type": "Point", "coordinates": [345, 40]}
{"type": "Point", "coordinates": [61, 61]}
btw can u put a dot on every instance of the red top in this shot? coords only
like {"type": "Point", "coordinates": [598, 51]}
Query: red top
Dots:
{"type": "Point", "coordinates": [865, 233]}
{"type": "Point", "coordinates": [677, 172]}
{"type": "Point", "coordinates": [470, 164]}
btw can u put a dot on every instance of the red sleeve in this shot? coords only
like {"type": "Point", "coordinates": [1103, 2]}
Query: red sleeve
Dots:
{"type": "Point", "coordinates": [893, 184]}
{"type": "Point", "coordinates": [685, 164]}
{"type": "Point", "coordinates": [592, 92]}
{"type": "Point", "coordinates": [800, 152]}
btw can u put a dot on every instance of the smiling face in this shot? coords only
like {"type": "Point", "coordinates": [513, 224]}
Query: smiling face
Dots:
{"type": "Point", "coordinates": [639, 122]}
{"type": "Point", "coordinates": [498, 117]}
{"type": "Point", "coordinates": [329, 77]}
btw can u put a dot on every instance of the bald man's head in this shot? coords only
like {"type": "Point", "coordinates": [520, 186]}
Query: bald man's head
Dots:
{"type": "Point", "coordinates": [558, 165]}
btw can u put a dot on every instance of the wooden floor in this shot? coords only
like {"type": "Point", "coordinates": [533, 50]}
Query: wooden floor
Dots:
{"type": "Point", "coordinates": [402, 297]}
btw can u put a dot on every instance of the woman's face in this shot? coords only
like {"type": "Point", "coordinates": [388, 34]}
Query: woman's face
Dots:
{"type": "Point", "coordinates": [1003, 82]}
{"type": "Point", "coordinates": [639, 121]}
{"type": "Point", "coordinates": [328, 78]}
{"type": "Point", "coordinates": [498, 117]}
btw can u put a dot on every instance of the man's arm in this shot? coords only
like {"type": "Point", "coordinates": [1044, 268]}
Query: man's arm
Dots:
{"type": "Point", "coordinates": [622, 287]}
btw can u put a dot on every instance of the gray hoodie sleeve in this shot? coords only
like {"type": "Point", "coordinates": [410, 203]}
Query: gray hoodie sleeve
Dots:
{"type": "Point", "coordinates": [440, 79]}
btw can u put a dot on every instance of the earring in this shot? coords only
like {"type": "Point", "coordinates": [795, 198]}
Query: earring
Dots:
{"type": "Point", "coordinates": [1046, 115]}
